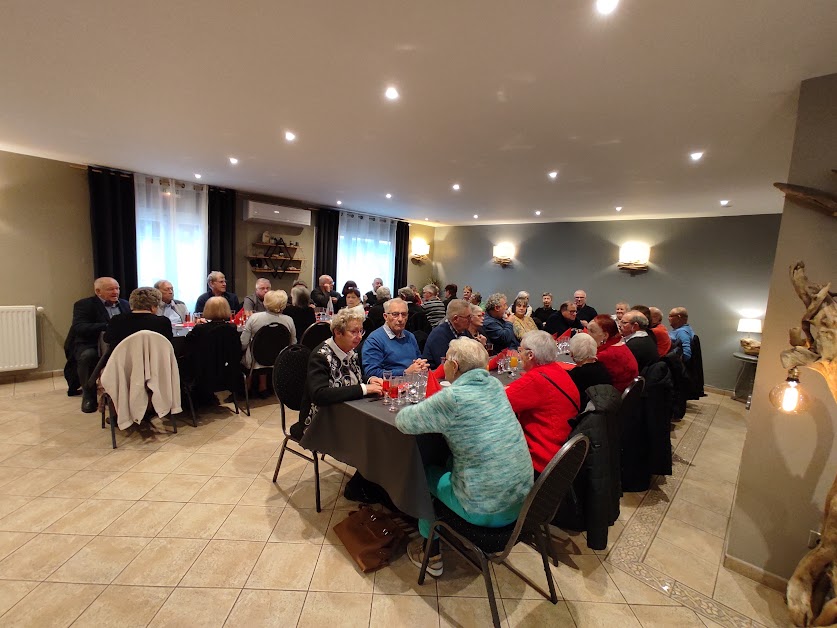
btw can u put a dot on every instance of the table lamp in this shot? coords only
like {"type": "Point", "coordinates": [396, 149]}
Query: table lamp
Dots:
{"type": "Point", "coordinates": [750, 326]}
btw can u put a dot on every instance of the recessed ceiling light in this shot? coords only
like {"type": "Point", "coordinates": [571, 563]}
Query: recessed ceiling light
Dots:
{"type": "Point", "coordinates": [553, 174]}
{"type": "Point", "coordinates": [696, 156]}
{"type": "Point", "coordinates": [538, 213]}
{"type": "Point", "coordinates": [197, 176]}
{"type": "Point", "coordinates": [290, 136]}
{"type": "Point", "coordinates": [391, 93]}
{"type": "Point", "coordinates": [606, 7]}
{"type": "Point", "coordinates": [233, 161]}
{"type": "Point", "coordinates": [455, 186]}
{"type": "Point", "coordinates": [389, 195]}
{"type": "Point", "coordinates": [619, 208]}
{"type": "Point", "coordinates": [725, 203]}
{"type": "Point", "coordinates": [476, 215]}
{"type": "Point", "coordinates": [339, 202]}
{"type": "Point", "coordinates": [426, 218]}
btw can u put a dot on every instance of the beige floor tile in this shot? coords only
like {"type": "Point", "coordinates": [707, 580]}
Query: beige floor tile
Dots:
{"type": "Point", "coordinates": [568, 542]}
{"type": "Point", "coordinates": [38, 514]}
{"type": "Point", "coordinates": [10, 503]}
{"type": "Point", "coordinates": [185, 441]}
{"type": "Point", "coordinates": [163, 562]}
{"type": "Point", "coordinates": [52, 604]}
{"type": "Point", "coordinates": [537, 613]}
{"type": "Point", "coordinates": [754, 600]}
{"type": "Point", "coordinates": [42, 555]}
{"type": "Point", "coordinates": [404, 611]}
{"type": "Point", "coordinates": [584, 578]}
{"type": "Point", "coordinates": [241, 467]}
{"type": "Point", "coordinates": [270, 609]}
{"type": "Point", "coordinates": [91, 517]}
{"type": "Point", "coordinates": [100, 561]}
{"type": "Point", "coordinates": [461, 579]}
{"type": "Point", "coordinates": [12, 591]}
{"type": "Point", "coordinates": [635, 591]}
{"type": "Point", "coordinates": [337, 572]}
{"type": "Point", "coordinates": [201, 464]}
{"type": "Point", "coordinates": [161, 462]}
{"type": "Point", "coordinates": [269, 431]}
{"type": "Point", "coordinates": [689, 569]}
{"type": "Point", "coordinates": [143, 519]}
{"type": "Point", "coordinates": [400, 578]}
{"type": "Point", "coordinates": [665, 616]}
{"type": "Point", "coordinates": [83, 484]}
{"type": "Point", "coordinates": [264, 450]}
{"type": "Point", "coordinates": [263, 492]}
{"type": "Point", "coordinates": [222, 490]}
{"type": "Point", "coordinates": [530, 565]}
{"type": "Point", "coordinates": [249, 523]}
{"type": "Point", "coordinates": [699, 517]}
{"type": "Point", "coordinates": [303, 495]}
{"type": "Point", "coordinates": [613, 534]}
{"type": "Point", "coordinates": [716, 464]}
{"type": "Point", "coordinates": [463, 612]}
{"type": "Point", "coordinates": [118, 460]}
{"type": "Point", "coordinates": [222, 444]}
{"type": "Point", "coordinates": [34, 436]}
{"type": "Point", "coordinates": [36, 482]}
{"type": "Point", "coordinates": [10, 541]}
{"type": "Point", "coordinates": [691, 539]}
{"type": "Point", "coordinates": [176, 488]}
{"type": "Point", "coordinates": [130, 485]}
{"type": "Point", "coordinates": [7, 450]}
{"type": "Point", "coordinates": [592, 615]}
{"type": "Point", "coordinates": [196, 607]}
{"type": "Point", "coordinates": [9, 474]}
{"type": "Point", "coordinates": [223, 564]}
{"type": "Point", "coordinates": [120, 606]}
{"type": "Point", "coordinates": [713, 495]}
{"type": "Point", "coordinates": [197, 521]}
{"type": "Point", "coordinates": [628, 505]}
{"type": "Point", "coordinates": [272, 569]}
{"type": "Point", "coordinates": [301, 525]}
{"type": "Point", "coordinates": [353, 609]}
{"type": "Point", "coordinates": [330, 471]}
{"type": "Point", "coordinates": [77, 459]}
{"type": "Point", "coordinates": [34, 457]}
{"type": "Point", "coordinates": [34, 386]}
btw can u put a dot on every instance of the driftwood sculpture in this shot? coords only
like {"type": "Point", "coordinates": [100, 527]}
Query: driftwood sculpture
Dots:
{"type": "Point", "coordinates": [815, 346]}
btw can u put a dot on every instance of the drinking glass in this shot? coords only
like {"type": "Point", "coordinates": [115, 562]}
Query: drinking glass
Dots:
{"type": "Point", "coordinates": [394, 391]}
{"type": "Point", "coordinates": [386, 376]}
{"type": "Point", "coordinates": [513, 363]}
{"type": "Point", "coordinates": [489, 347]}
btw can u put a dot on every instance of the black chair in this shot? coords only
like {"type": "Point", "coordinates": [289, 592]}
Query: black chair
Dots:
{"type": "Point", "coordinates": [212, 363]}
{"type": "Point", "coordinates": [636, 474]}
{"type": "Point", "coordinates": [315, 334]}
{"type": "Point", "coordinates": [479, 545]}
{"type": "Point", "coordinates": [265, 346]}
{"type": "Point", "coordinates": [289, 374]}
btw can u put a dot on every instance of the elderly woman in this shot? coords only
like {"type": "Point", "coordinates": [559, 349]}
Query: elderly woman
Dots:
{"type": "Point", "coordinates": [341, 302]}
{"type": "Point", "coordinates": [588, 371]}
{"type": "Point", "coordinates": [612, 352]}
{"type": "Point", "coordinates": [375, 317]}
{"type": "Point", "coordinates": [201, 342]}
{"type": "Point", "coordinates": [274, 303]}
{"type": "Point", "coordinates": [544, 398]}
{"type": "Point", "coordinates": [522, 320]}
{"type": "Point", "coordinates": [490, 472]}
{"type": "Point", "coordinates": [352, 300]}
{"type": "Point", "coordinates": [475, 327]}
{"type": "Point", "coordinates": [300, 311]}
{"type": "Point", "coordinates": [143, 315]}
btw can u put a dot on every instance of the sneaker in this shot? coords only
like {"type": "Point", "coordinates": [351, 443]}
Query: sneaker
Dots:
{"type": "Point", "coordinates": [415, 552]}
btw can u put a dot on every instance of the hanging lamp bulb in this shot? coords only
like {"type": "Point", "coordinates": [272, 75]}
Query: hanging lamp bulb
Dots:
{"type": "Point", "coordinates": [789, 396]}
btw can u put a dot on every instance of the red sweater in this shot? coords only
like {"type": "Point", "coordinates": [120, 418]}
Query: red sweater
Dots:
{"type": "Point", "coordinates": [543, 411]}
{"type": "Point", "coordinates": [662, 338]}
{"type": "Point", "coordinates": [619, 362]}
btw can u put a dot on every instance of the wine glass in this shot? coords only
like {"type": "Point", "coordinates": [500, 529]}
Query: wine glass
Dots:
{"type": "Point", "coordinates": [513, 364]}
{"type": "Point", "coordinates": [386, 378]}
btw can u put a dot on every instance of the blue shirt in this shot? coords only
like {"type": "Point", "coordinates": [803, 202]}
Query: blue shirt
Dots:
{"type": "Point", "coordinates": [500, 333]}
{"type": "Point", "coordinates": [683, 334]}
{"type": "Point", "coordinates": [437, 343]}
{"type": "Point", "coordinates": [111, 308]}
{"type": "Point", "coordinates": [384, 351]}
{"type": "Point", "coordinates": [170, 313]}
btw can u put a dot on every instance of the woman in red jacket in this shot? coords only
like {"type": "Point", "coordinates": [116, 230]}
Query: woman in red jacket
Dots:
{"type": "Point", "coordinates": [613, 352]}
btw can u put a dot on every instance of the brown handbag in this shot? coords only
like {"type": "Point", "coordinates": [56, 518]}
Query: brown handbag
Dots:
{"type": "Point", "coordinates": [370, 536]}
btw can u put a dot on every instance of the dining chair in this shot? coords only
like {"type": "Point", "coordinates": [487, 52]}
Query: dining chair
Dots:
{"type": "Point", "coordinates": [265, 346]}
{"type": "Point", "coordinates": [481, 546]}
{"type": "Point", "coordinates": [315, 334]}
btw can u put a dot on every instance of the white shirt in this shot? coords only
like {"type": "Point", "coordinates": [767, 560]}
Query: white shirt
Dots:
{"type": "Point", "coordinates": [170, 313]}
{"type": "Point", "coordinates": [636, 334]}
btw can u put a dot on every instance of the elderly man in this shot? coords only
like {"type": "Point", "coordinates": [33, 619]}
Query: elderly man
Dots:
{"type": "Point", "coordinates": [391, 347]}
{"type": "Point", "coordinates": [660, 332]}
{"type": "Point", "coordinates": [371, 297]}
{"type": "Point", "coordinates": [634, 329]}
{"type": "Point", "coordinates": [681, 331]}
{"type": "Point", "coordinates": [217, 284]}
{"type": "Point", "coordinates": [91, 316]}
{"type": "Point", "coordinates": [325, 292]}
{"type": "Point", "coordinates": [434, 309]}
{"type": "Point", "coordinates": [586, 313]}
{"type": "Point", "coordinates": [455, 325]}
{"type": "Point", "coordinates": [497, 327]}
{"type": "Point", "coordinates": [565, 318]}
{"type": "Point", "coordinates": [170, 307]}
{"type": "Point", "coordinates": [255, 302]}
{"type": "Point", "coordinates": [543, 313]}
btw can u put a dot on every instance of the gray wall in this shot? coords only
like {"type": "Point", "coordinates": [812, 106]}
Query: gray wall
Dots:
{"type": "Point", "coordinates": [715, 267]}
{"type": "Point", "coordinates": [789, 462]}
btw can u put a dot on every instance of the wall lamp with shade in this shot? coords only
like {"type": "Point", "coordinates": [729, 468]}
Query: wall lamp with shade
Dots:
{"type": "Point", "coordinates": [634, 257]}
{"type": "Point", "coordinates": [421, 251]}
{"type": "Point", "coordinates": [503, 254]}
{"type": "Point", "coordinates": [750, 326]}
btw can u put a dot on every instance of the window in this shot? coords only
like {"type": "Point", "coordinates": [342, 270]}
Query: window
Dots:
{"type": "Point", "coordinates": [172, 235]}
{"type": "Point", "coordinates": [365, 250]}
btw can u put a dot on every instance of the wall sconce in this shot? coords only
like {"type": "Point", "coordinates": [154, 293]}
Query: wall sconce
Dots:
{"type": "Point", "coordinates": [633, 257]}
{"type": "Point", "coordinates": [503, 254]}
{"type": "Point", "coordinates": [421, 251]}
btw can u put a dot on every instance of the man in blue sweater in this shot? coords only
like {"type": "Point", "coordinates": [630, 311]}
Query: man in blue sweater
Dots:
{"type": "Point", "coordinates": [497, 326]}
{"type": "Point", "coordinates": [455, 325]}
{"type": "Point", "coordinates": [678, 318]}
{"type": "Point", "coordinates": [391, 347]}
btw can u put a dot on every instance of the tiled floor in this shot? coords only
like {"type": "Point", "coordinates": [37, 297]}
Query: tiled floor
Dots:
{"type": "Point", "coordinates": [188, 529]}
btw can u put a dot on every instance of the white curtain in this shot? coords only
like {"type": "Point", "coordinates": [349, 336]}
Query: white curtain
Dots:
{"type": "Point", "coordinates": [365, 250]}
{"type": "Point", "coordinates": [172, 235]}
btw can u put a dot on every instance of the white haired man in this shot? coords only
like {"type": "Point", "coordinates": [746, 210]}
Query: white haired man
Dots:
{"type": "Point", "coordinates": [586, 313]}
{"type": "Point", "coordinates": [456, 324]}
{"type": "Point", "coordinates": [497, 327]}
{"type": "Point", "coordinates": [324, 292]}
{"type": "Point", "coordinates": [217, 284]}
{"type": "Point", "coordinates": [170, 307]}
{"type": "Point", "coordinates": [255, 302]}
{"type": "Point", "coordinates": [391, 347]}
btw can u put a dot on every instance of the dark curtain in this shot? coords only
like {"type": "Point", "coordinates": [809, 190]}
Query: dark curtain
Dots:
{"type": "Point", "coordinates": [222, 234]}
{"type": "Point", "coordinates": [113, 225]}
{"type": "Point", "coordinates": [328, 225]}
{"type": "Point", "coordinates": [402, 254]}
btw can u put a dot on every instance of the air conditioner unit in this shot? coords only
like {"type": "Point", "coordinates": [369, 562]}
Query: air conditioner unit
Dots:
{"type": "Point", "coordinates": [276, 214]}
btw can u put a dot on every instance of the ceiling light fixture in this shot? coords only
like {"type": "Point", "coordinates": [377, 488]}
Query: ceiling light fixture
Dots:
{"type": "Point", "coordinates": [553, 175]}
{"type": "Point", "coordinates": [606, 7]}
{"type": "Point", "coordinates": [619, 208]}
{"type": "Point", "coordinates": [392, 93]}
{"type": "Point", "coordinates": [725, 203]}
{"type": "Point", "coordinates": [197, 176]}
{"type": "Point", "coordinates": [233, 161]}
{"type": "Point", "coordinates": [290, 136]}
{"type": "Point", "coordinates": [389, 195]}
{"type": "Point", "coordinates": [339, 202]}
{"type": "Point", "coordinates": [455, 186]}
{"type": "Point", "coordinates": [696, 156]}
{"type": "Point", "coordinates": [476, 216]}
{"type": "Point", "coordinates": [538, 212]}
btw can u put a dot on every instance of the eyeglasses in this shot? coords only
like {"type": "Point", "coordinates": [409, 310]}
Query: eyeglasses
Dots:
{"type": "Point", "coordinates": [358, 333]}
{"type": "Point", "coordinates": [397, 314]}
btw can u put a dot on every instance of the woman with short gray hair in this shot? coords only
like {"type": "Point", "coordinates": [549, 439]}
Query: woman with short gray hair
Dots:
{"type": "Point", "coordinates": [143, 316]}
{"type": "Point", "coordinates": [588, 371]}
{"type": "Point", "coordinates": [300, 311]}
{"type": "Point", "coordinates": [274, 303]}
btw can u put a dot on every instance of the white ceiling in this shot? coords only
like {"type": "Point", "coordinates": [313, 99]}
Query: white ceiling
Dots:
{"type": "Point", "coordinates": [494, 95]}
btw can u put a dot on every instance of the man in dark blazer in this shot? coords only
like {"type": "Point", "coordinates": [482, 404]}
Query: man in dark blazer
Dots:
{"type": "Point", "coordinates": [91, 317]}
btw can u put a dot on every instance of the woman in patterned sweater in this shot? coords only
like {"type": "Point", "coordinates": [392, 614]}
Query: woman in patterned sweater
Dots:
{"type": "Point", "coordinates": [491, 471]}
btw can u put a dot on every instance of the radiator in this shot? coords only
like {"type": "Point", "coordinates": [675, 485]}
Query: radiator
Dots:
{"type": "Point", "coordinates": [18, 338]}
